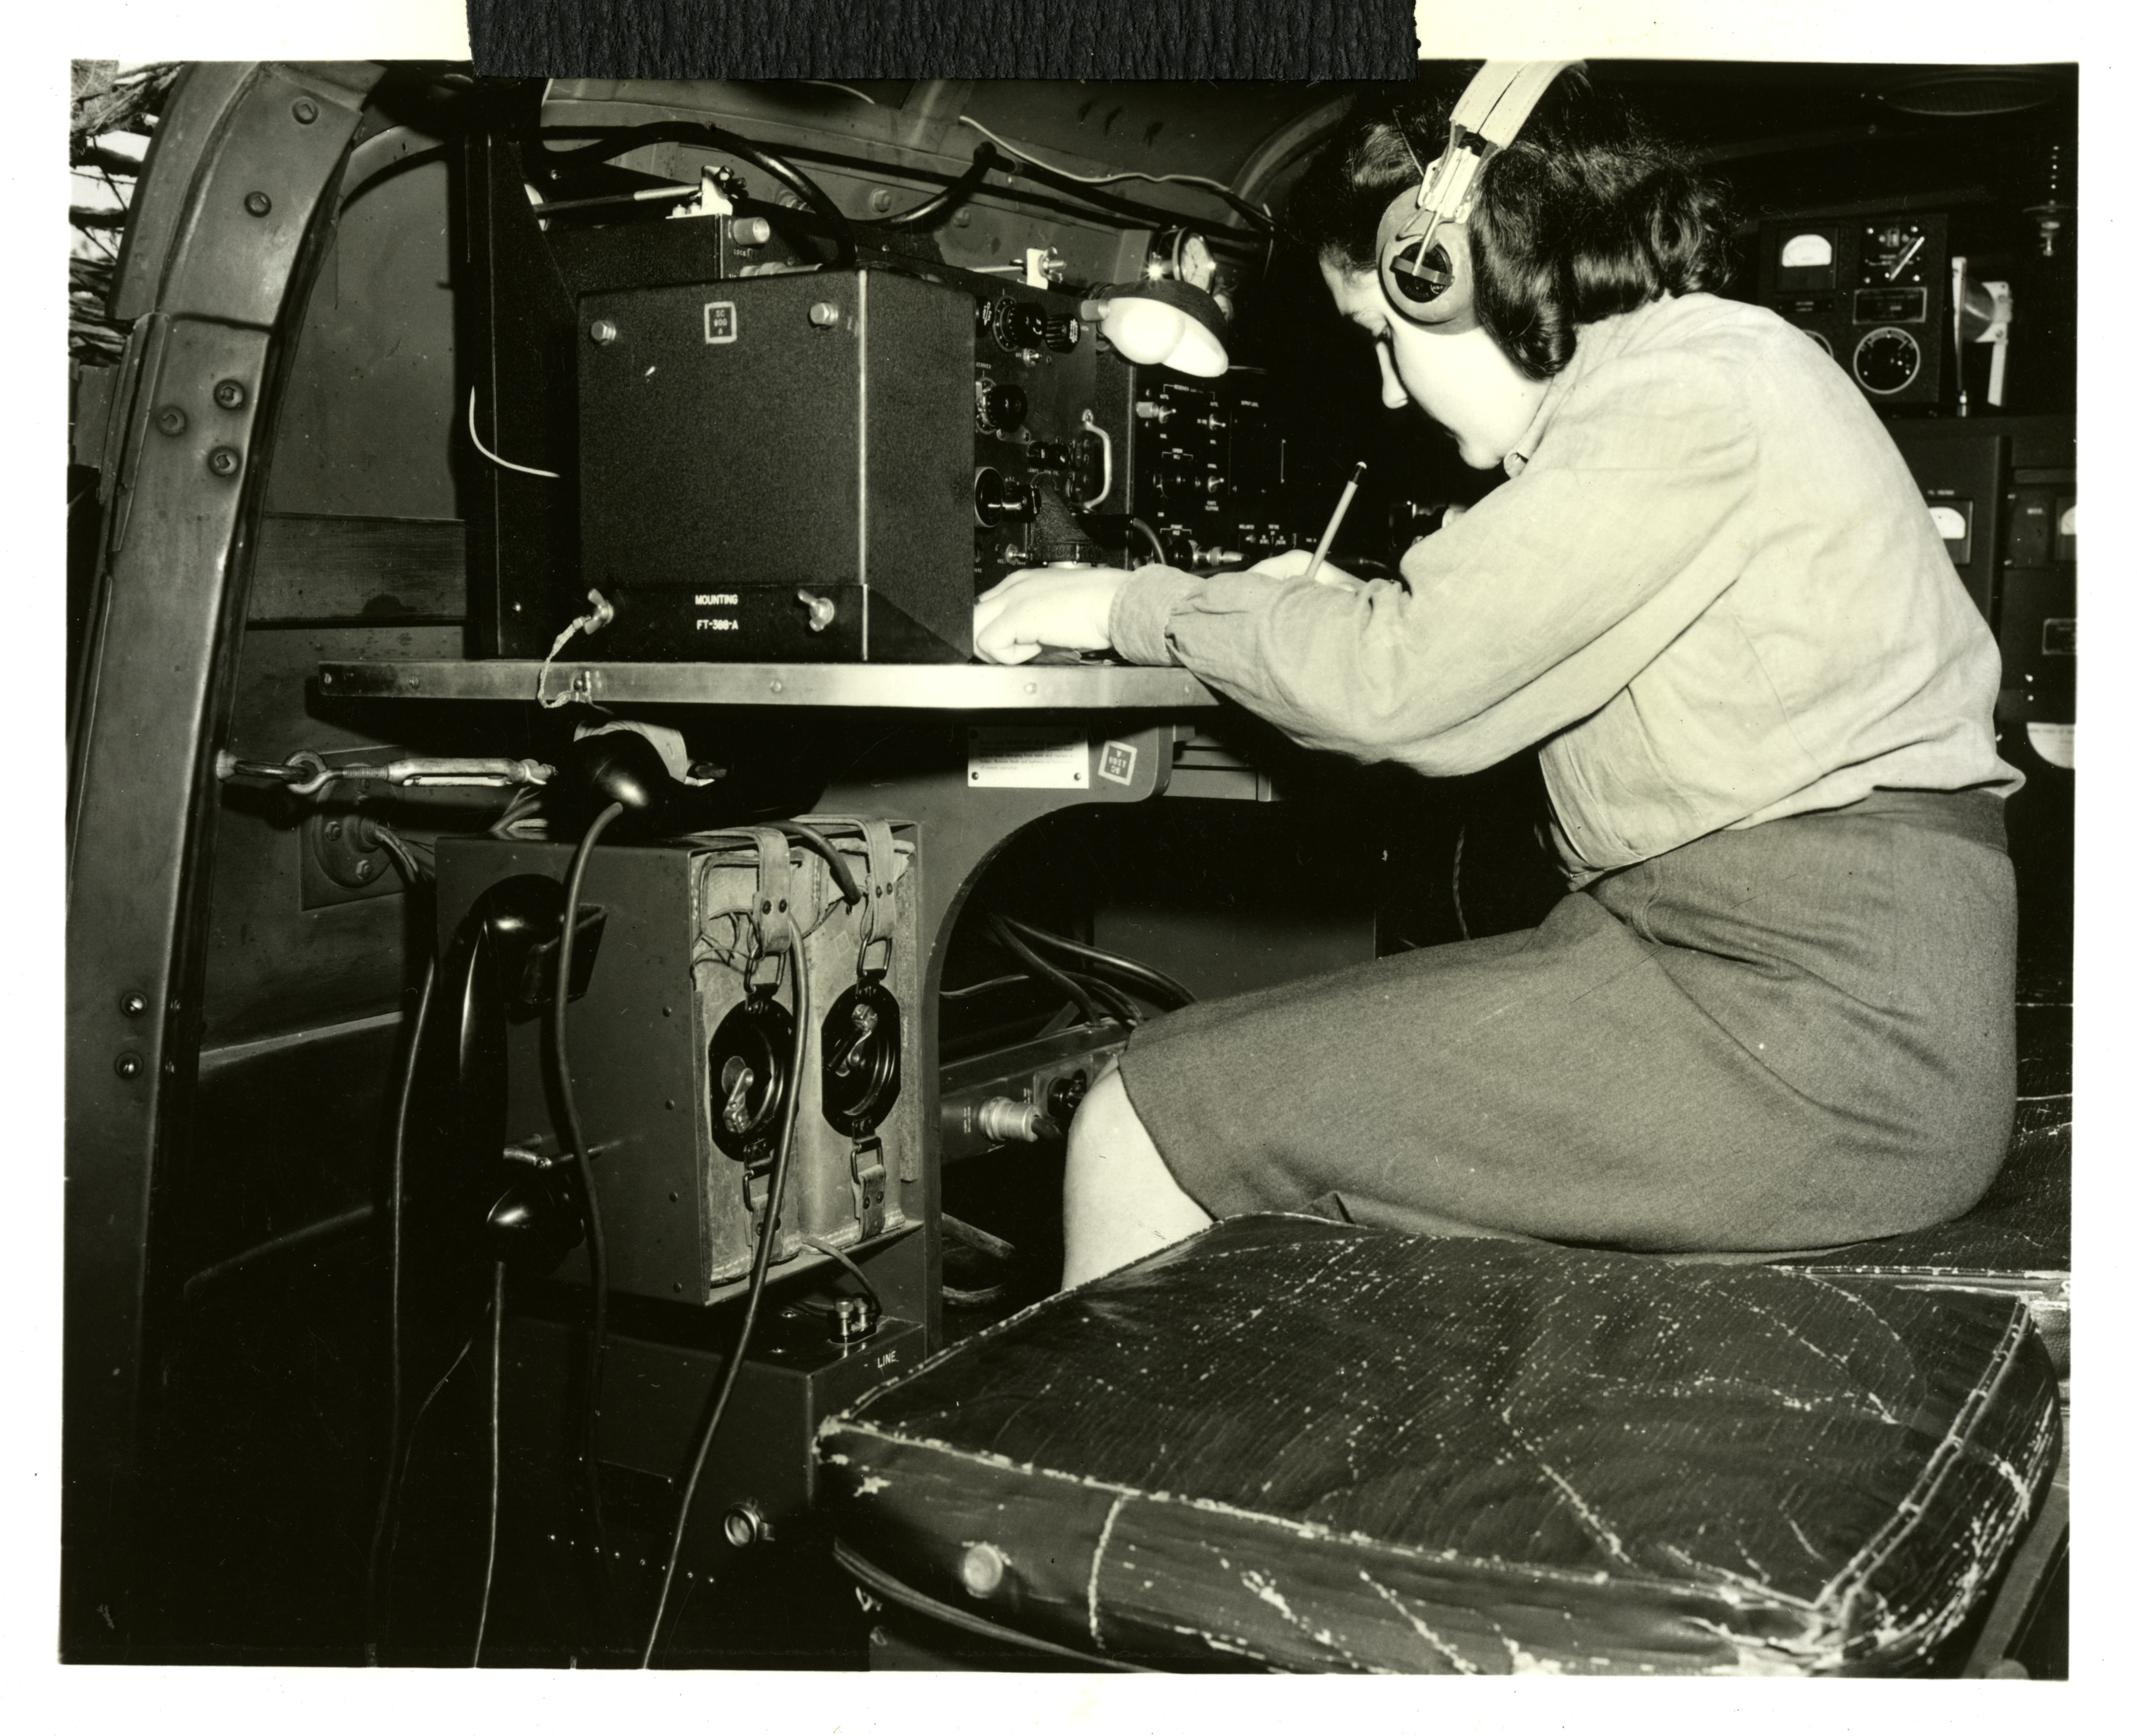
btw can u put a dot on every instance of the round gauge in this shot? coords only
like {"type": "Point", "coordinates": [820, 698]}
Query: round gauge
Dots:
{"type": "Point", "coordinates": [1810, 248]}
{"type": "Point", "coordinates": [1193, 263]}
{"type": "Point", "coordinates": [1892, 253]}
{"type": "Point", "coordinates": [1887, 359]}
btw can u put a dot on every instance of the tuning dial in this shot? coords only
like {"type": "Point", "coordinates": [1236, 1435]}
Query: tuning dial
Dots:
{"type": "Point", "coordinates": [1001, 406]}
{"type": "Point", "coordinates": [1024, 325]}
{"type": "Point", "coordinates": [996, 497]}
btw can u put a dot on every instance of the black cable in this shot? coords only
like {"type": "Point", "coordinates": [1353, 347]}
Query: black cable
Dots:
{"type": "Point", "coordinates": [841, 870]}
{"type": "Point", "coordinates": [1134, 974]}
{"type": "Point", "coordinates": [401, 1471]}
{"type": "Point", "coordinates": [984, 158]}
{"type": "Point", "coordinates": [1112, 1002]}
{"type": "Point", "coordinates": [389, 1487]}
{"type": "Point", "coordinates": [760, 1269]}
{"type": "Point", "coordinates": [496, 1387]}
{"type": "Point", "coordinates": [1151, 537]}
{"type": "Point", "coordinates": [847, 1260]}
{"type": "Point", "coordinates": [671, 132]}
{"type": "Point", "coordinates": [589, 1195]}
{"type": "Point", "coordinates": [1040, 967]}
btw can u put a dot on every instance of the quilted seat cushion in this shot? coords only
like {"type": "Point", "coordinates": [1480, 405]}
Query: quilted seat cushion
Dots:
{"type": "Point", "coordinates": [1313, 1446]}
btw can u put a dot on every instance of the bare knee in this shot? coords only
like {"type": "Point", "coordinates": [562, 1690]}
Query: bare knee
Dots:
{"type": "Point", "coordinates": [1118, 1200]}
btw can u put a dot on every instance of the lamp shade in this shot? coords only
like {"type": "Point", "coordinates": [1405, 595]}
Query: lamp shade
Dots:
{"type": "Point", "coordinates": [1162, 322]}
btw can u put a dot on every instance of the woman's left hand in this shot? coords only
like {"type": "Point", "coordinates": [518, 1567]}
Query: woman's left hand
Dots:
{"type": "Point", "coordinates": [1068, 606]}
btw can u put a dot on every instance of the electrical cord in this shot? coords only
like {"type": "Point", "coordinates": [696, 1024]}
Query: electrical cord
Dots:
{"type": "Point", "coordinates": [985, 157]}
{"type": "Point", "coordinates": [1039, 967]}
{"type": "Point", "coordinates": [389, 1488]}
{"type": "Point", "coordinates": [1245, 207]}
{"type": "Point", "coordinates": [1162, 988]}
{"type": "Point", "coordinates": [502, 462]}
{"type": "Point", "coordinates": [372, 1646]}
{"type": "Point", "coordinates": [1143, 530]}
{"type": "Point", "coordinates": [496, 1387]}
{"type": "Point", "coordinates": [847, 1260]}
{"type": "Point", "coordinates": [589, 1195]}
{"type": "Point", "coordinates": [704, 132]}
{"type": "Point", "coordinates": [760, 1269]}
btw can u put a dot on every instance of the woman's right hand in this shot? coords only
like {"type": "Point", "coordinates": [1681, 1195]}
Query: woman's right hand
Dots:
{"type": "Point", "coordinates": [1292, 564]}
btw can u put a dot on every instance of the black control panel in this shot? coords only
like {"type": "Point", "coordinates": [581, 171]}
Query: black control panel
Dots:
{"type": "Point", "coordinates": [1209, 468]}
{"type": "Point", "coordinates": [1873, 290]}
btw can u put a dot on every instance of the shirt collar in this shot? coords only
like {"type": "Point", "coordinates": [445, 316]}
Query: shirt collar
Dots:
{"type": "Point", "coordinates": [1593, 345]}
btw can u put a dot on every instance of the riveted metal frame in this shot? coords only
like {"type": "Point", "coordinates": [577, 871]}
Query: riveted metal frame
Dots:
{"type": "Point", "coordinates": [230, 217]}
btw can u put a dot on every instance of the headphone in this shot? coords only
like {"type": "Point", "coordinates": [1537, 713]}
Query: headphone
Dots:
{"type": "Point", "coordinates": [1416, 269]}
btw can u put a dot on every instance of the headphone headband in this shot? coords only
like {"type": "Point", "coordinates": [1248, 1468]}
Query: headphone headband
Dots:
{"type": "Point", "coordinates": [1489, 116]}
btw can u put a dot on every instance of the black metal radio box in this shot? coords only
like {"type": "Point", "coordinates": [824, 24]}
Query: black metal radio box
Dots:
{"type": "Point", "coordinates": [779, 469]}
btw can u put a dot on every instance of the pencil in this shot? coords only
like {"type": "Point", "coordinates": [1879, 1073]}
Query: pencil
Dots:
{"type": "Point", "coordinates": [1335, 521]}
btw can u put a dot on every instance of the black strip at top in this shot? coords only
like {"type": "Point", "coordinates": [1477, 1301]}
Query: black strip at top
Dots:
{"type": "Point", "coordinates": [1109, 39]}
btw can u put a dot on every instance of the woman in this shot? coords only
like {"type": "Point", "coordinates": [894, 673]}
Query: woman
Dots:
{"type": "Point", "coordinates": [1775, 1010]}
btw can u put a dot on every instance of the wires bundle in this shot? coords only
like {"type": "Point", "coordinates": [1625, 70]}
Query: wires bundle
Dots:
{"type": "Point", "coordinates": [1092, 978]}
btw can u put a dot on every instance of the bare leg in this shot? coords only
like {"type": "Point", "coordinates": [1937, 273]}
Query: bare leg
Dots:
{"type": "Point", "coordinates": [1118, 1200]}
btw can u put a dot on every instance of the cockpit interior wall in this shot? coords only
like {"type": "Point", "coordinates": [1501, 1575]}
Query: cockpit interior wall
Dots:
{"type": "Point", "coordinates": [554, 897]}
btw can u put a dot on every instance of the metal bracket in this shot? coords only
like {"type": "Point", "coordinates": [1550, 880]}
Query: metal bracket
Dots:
{"type": "Point", "coordinates": [871, 1184]}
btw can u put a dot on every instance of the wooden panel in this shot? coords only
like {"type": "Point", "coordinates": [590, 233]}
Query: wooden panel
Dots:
{"type": "Point", "coordinates": [315, 566]}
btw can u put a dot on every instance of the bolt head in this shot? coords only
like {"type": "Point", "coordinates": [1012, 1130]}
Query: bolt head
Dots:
{"type": "Point", "coordinates": [230, 394]}
{"type": "Point", "coordinates": [363, 871]}
{"type": "Point", "coordinates": [128, 1066]}
{"type": "Point", "coordinates": [961, 218]}
{"type": "Point", "coordinates": [333, 828]}
{"type": "Point", "coordinates": [259, 204]}
{"type": "Point", "coordinates": [880, 199]}
{"type": "Point", "coordinates": [223, 461]}
{"type": "Point", "coordinates": [305, 109]}
{"type": "Point", "coordinates": [133, 1004]}
{"type": "Point", "coordinates": [823, 314]}
{"type": "Point", "coordinates": [602, 331]}
{"type": "Point", "coordinates": [171, 420]}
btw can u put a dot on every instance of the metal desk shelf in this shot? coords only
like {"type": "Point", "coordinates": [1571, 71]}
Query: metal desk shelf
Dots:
{"type": "Point", "coordinates": [903, 687]}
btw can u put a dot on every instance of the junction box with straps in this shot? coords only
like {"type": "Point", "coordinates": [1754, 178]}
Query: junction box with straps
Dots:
{"type": "Point", "coordinates": [682, 1045]}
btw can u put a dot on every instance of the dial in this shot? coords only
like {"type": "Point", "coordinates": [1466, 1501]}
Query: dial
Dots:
{"type": "Point", "coordinates": [1893, 253]}
{"type": "Point", "coordinates": [1887, 359]}
{"type": "Point", "coordinates": [1811, 249]}
{"type": "Point", "coordinates": [1193, 263]}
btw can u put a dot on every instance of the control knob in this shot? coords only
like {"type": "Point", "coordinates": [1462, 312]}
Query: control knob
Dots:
{"type": "Point", "coordinates": [1001, 406]}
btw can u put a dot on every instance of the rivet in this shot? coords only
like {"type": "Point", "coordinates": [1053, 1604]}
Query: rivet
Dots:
{"type": "Point", "coordinates": [960, 219]}
{"type": "Point", "coordinates": [259, 204]}
{"type": "Point", "coordinates": [133, 1003]}
{"type": "Point", "coordinates": [671, 1104]}
{"type": "Point", "coordinates": [674, 1197]}
{"type": "Point", "coordinates": [982, 1570]}
{"type": "Point", "coordinates": [171, 420]}
{"type": "Point", "coordinates": [128, 1066]}
{"type": "Point", "coordinates": [223, 461]}
{"type": "Point", "coordinates": [305, 109]}
{"type": "Point", "coordinates": [230, 394]}
{"type": "Point", "coordinates": [881, 199]}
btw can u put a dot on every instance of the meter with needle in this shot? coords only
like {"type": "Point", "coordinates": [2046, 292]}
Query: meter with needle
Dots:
{"type": "Point", "coordinates": [1892, 253]}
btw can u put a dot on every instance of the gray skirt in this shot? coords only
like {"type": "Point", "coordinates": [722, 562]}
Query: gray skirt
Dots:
{"type": "Point", "coordinates": [1793, 1036]}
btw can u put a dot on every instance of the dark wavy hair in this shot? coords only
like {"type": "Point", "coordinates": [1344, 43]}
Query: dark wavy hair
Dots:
{"type": "Point", "coordinates": [1585, 215]}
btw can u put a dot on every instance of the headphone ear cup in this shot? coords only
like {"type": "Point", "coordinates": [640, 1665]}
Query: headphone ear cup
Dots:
{"type": "Point", "coordinates": [1432, 283]}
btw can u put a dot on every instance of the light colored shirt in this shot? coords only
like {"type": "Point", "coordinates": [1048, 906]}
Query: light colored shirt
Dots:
{"type": "Point", "coordinates": [1710, 589]}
